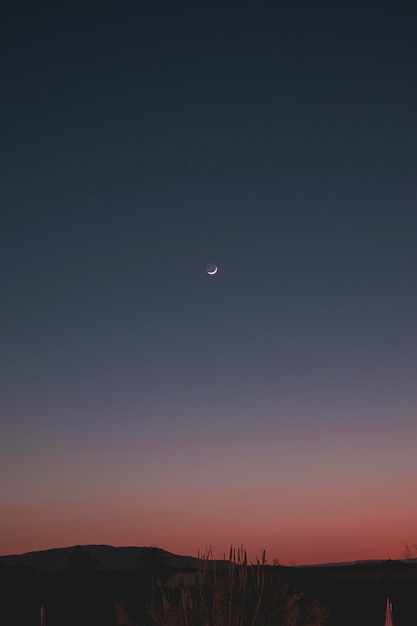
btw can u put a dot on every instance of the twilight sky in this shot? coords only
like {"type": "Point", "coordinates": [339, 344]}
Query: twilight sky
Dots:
{"type": "Point", "coordinates": [143, 402]}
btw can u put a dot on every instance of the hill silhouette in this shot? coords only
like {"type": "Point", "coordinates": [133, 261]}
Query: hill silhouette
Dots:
{"type": "Point", "coordinates": [107, 558]}
{"type": "Point", "coordinates": [120, 558]}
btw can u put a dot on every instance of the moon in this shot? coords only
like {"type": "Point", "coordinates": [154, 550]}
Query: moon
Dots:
{"type": "Point", "coordinates": [211, 269]}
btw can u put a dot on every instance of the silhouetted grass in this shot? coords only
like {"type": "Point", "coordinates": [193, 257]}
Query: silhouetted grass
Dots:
{"type": "Point", "coordinates": [235, 593]}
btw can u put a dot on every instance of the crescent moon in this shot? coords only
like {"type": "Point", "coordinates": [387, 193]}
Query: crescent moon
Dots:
{"type": "Point", "coordinates": [211, 269]}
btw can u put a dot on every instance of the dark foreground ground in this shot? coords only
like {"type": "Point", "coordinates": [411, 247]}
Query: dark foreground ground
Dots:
{"type": "Point", "coordinates": [354, 594]}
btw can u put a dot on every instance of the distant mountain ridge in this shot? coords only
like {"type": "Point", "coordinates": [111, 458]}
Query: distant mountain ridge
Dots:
{"type": "Point", "coordinates": [126, 558]}
{"type": "Point", "coordinates": [107, 557]}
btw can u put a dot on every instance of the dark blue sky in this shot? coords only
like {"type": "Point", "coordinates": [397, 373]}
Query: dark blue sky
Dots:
{"type": "Point", "coordinates": [141, 140]}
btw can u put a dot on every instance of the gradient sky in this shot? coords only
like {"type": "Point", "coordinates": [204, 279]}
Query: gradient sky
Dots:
{"type": "Point", "coordinates": [143, 402]}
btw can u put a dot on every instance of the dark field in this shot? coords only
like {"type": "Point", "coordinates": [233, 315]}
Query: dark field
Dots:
{"type": "Point", "coordinates": [353, 594]}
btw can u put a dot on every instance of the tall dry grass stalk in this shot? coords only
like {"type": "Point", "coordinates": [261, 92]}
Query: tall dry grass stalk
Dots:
{"type": "Point", "coordinates": [234, 593]}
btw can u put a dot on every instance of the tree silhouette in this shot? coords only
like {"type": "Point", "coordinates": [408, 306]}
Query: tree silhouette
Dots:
{"type": "Point", "coordinates": [152, 567]}
{"type": "Point", "coordinates": [153, 563]}
{"type": "Point", "coordinates": [80, 562]}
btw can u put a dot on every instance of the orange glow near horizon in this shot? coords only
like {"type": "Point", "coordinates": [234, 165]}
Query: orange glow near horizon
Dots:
{"type": "Point", "coordinates": [307, 505]}
{"type": "Point", "coordinates": [308, 541]}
